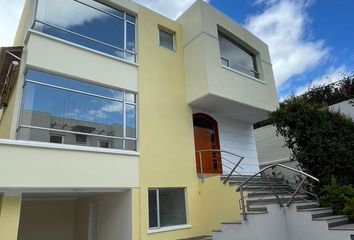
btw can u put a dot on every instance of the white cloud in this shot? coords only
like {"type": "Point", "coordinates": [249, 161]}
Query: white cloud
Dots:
{"type": "Point", "coordinates": [10, 12]}
{"type": "Point", "coordinates": [331, 75]}
{"type": "Point", "coordinates": [283, 25]}
{"type": "Point", "coordinates": [169, 8]}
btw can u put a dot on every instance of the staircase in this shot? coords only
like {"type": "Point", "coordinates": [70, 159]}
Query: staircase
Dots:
{"type": "Point", "coordinates": [273, 209]}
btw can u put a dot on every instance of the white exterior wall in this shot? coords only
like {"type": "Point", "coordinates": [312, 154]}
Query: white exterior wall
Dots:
{"type": "Point", "coordinates": [237, 137]}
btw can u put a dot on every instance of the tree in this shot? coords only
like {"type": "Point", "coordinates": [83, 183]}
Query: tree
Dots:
{"type": "Point", "coordinates": [320, 140]}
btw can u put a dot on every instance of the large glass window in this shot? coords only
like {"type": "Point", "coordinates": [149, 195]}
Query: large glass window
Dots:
{"type": "Point", "coordinates": [167, 207]}
{"type": "Point", "coordinates": [90, 24]}
{"type": "Point", "coordinates": [237, 57]}
{"type": "Point", "coordinates": [81, 113]}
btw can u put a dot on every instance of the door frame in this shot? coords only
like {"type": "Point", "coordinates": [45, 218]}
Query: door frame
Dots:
{"type": "Point", "coordinates": [214, 127]}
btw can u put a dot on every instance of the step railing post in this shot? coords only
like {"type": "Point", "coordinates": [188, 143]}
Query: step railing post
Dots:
{"type": "Point", "coordinates": [296, 191]}
{"type": "Point", "coordinates": [242, 205]}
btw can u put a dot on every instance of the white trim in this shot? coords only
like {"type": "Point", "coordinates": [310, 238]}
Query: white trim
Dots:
{"type": "Point", "coordinates": [243, 74]}
{"type": "Point", "coordinates": [31, 31]}
{"type": "Point", "coordinates": [167, 229]}
{"type": "Point", "coordinates": [34, 144]}
{"type": "Point", "coordinates": [283, 160]}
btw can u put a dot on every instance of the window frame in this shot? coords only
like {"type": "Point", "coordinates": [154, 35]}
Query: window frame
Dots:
{"type": "Point", "coordinates": [124, 18]}
{"type": "Point", "coordinates": [57, 135]}
{"type": "Point", "coordinates": [168, 31]}
{"type": "Point", "coordinates": [246, 49]}
{"type": "Point", "coordinates": [58, 132]}
{"type": "Point", "coordinates": [159, 227]}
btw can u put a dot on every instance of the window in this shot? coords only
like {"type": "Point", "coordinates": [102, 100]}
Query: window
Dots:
{"type": "Point", "coordinates": [90, 24]}
{"type": "Point", "coordinates": [56, 139]}
{"type": "Point", "coordinates": [103, 144]}
{"type": "Point", "coordinates": [237, 57]}
{"type": "Point", "coordinates": [166, 39]}
{"type": "Point", "coordinates": [82, 113]}
{"type": "Point", "coordinates": [167, 207]}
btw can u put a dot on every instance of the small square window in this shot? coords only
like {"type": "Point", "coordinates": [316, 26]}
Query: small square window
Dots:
{"type": "Point", "coordinates": [166, 39]}
{"type": "Point", "coordinates": [56, 139]}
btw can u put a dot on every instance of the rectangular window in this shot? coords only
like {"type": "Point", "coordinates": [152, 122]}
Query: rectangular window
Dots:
{"type": "Point", "coordinates": [82, 113]}
{"type": "Point", "coordinates": [166, 39]}
{"type": "Point", "coordinates": [237, 57]}
{"type": "Point", "coordinates": [90, 24]}
{"type": "Point", "coordinates": [56, 139]}
{"type": "Point", "coordinates": [167, 207]}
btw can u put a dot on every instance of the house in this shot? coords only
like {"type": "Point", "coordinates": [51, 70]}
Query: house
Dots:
{"type": "Point", "coordinates": [103, 107]}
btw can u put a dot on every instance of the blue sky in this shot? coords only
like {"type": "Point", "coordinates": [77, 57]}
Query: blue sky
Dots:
{"type": "Point", "coordinates": [310, 41]}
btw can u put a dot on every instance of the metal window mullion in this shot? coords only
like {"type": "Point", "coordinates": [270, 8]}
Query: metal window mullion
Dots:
{"type": "Point", "coordinates": [73, 90]}
{"type": "Point", "coordinates": [124, 122]}
{"type": "Point", "coordinates": [68, 131]}
{"type": "Point", "coordinates": [125, 35]}
{"type": "Point", "coordinates": [158, 207]}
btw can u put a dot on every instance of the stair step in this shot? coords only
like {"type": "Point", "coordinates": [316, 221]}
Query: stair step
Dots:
{"type": "Point", "coordinates": [256, 209]}
{"type": "Point", "coordinates": [257, 212]}
{"type": "Point", "coordinates": [314, 209]}
{"type": "Point", "coordinates": [323, 213]}
{"type": "Point", "coordinates": [272, 199]}
{"type": "Point", "coordinates": [232, 222]}
{"type": "Point", "coordinates": [346, 227]}
{"type": "Point", "coordinates": [307, 206]}
{"type": "Point", "coordinates": [334, 220]}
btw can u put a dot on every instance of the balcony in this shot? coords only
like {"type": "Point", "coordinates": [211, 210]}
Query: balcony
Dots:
{"type": "Point", "coordinates": [35, 165]}
{"type": "Point", "coordinates": [243, 90]}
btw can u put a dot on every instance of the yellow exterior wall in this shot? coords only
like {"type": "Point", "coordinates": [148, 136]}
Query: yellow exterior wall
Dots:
{"type": "Point", "coordinates": [166, 135]}
{"type": "Point", "coordinates": [10, 208]}
{"type": "Point", "coordinates": [221, 202]}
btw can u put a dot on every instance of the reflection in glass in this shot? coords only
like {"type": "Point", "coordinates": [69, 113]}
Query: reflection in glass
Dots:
{"type": "Point", "coordinates": [153, 209]}
{"type": "Point", "coordinates": [87, 23]}
{"type": "Point", "coordinates": [166, 39]}
{"type": "Point", "coordinates": [84, 113]}
{"type": "Point", "coordinates": [236, 57]}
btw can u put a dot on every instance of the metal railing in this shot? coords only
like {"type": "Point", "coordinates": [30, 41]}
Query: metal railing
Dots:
{"type": "Point", "coordinates": [225, 166]}
{"type": "Point", "coordinates": [301, 183]}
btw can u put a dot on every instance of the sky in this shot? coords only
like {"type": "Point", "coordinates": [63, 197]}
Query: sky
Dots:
{"type": "Point", "coordinates": [310, 41]}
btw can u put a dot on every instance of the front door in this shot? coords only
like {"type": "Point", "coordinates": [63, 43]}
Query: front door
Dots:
{"type": "Point", "coordinates": [206, 138]}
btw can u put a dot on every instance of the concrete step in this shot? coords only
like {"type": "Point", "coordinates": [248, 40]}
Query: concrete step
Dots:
{"type": "Point", "coordinates": [198, 238]}
{"type": "Point", "coordinates": [257, 209]}
{"type": "Point", "coordinates": [345, 227]}
{"type": "Point", "coordinates": [273, 199]}
{"type": "Point", "coordinates": [334, 220]}
{"type": "Point", "coordinates": [307, 206]}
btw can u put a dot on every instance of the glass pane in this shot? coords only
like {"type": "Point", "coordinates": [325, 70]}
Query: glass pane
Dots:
{"type": "Point", "coordinates": [71, 111]}
{"type": "Point", "coordinates": [130, 37]}
{"type": "Point", "coordinates": [130, 145]}
{"type": "Point", "coordinates": [130, 121]}
{"type": "Point", "coordinates": [130, 18]}
{"type": "Point", "coordinates": [130, 97]}
{"type": "Point", "coordinates": [68, 138]}
{"type": "Point", "coordinates": [166, 40]}
{"type": "Point", "coordinates": [84, 20]}
{"type": "Point", "coordinates": [152, 209]}
{"type": "Point", "coordinates": [73, 84]}
{"type": "Point", "coordinates": [237, 57]}
{"type": "Point", "coordinates": [172, 207]}
{"type": "Point", "coordinates": [56, 139]}
{"type": "Point", "coordinates": [130, 57]}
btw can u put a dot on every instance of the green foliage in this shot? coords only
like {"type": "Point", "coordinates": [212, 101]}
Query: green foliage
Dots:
{"type": "Point", "coordinates": [320, 140]}
{"type": "Point", "coordinates": [339, 197]}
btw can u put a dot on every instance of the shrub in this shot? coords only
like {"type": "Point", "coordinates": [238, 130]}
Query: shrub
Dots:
{"type": "Point", "coordinates": [339, 197]}
{"type": "Point", "coordinates": [320, 140]}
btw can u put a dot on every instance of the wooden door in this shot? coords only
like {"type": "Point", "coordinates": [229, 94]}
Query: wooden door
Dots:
{"type": "Point", "coordinates": [211, 161]}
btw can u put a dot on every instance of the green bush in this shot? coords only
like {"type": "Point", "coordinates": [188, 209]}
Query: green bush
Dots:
{"type": "Point", "coordinates": [339, 197]}
{"type": "Point", "coordinates": [320, 140]}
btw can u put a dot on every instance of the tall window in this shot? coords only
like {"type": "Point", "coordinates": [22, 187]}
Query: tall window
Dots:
{"type": "Point", "coordinates": [237, 57]}
{"type": "Point", "coordinates": [89, 24]}
{"type": "Point", "coordinates": [167, 207]}
{"type": "Point", "coordinates": [77, 112]}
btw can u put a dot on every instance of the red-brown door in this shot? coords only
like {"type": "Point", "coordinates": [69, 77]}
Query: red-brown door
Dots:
{"type": "Point", "coordinates": [206, 139]}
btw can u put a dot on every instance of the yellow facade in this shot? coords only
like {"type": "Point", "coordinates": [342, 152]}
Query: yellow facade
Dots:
{"type": "Point", "coordinates": [10, 208]}
{"type": "Point", "coordinates": [166, 135]}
